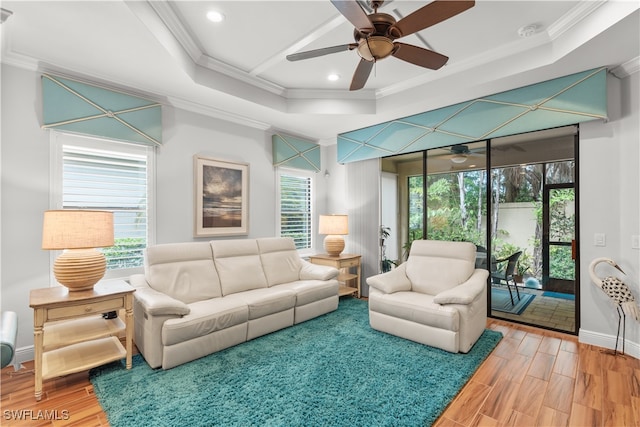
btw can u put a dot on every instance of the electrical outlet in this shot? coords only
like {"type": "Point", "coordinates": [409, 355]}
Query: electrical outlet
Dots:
{"type": "Point", "coordinates": [599, 239]}
{"type": "Point", "coordinates": [635, 242]}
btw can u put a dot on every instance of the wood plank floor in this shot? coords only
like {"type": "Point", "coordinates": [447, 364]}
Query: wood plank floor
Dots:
{"type": "Point", "coordinates": [533, 378]}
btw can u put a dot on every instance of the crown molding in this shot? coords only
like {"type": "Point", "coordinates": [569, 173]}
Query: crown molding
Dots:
{"type": "Point", "coordinates": [18, 60]}
{"type": "Point", "coordinates": [573, 17]}
{"type": "Point", "coordinates": [168, 16]}
{"type": "Point", "coordinates": [4, 15]}
{"type": "Point", "coordinates": [217, 113]}
{"type": "Point", "coordinates": [236, 73]}
{"type": "Point", "coordinates": [363, 94]}
{"type": "Point", "coordinates": [627, 69]}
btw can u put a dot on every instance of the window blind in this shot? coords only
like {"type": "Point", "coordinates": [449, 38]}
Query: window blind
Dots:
{"type": "Point", "coordinates": [113, 181]}
{"type": "Point", "coordinates": [295, 209]}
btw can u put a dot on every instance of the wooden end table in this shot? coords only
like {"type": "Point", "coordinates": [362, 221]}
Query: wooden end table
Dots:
{"type": "Point", "coordinates": [343, 262]}
{"type": "Point", "coordinates": [70, 333]}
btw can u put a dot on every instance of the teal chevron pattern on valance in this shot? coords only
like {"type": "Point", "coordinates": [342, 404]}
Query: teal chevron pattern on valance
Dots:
{"type": "Point", "coordinates": [563, 101]}
{"type": "Point", "coordinates": [295, 153]}
{"type": "Point", "coordinates": [81, 108]}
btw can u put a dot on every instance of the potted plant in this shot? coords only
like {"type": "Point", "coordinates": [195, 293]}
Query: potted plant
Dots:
{"type": "Point", "coordinates": [523, 267]}
{"type": "Point", "coordinates": [385, 264]}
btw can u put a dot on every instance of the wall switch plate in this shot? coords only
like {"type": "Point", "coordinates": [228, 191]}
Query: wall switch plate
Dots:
{"type": "Point", "coordinates": [635, 242]}
{"type": "Point", "coordinates": [599, 239]}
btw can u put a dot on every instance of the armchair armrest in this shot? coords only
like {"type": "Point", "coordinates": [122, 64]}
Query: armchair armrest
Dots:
{"type": "Point", "coordinates": [392, 281]}
{"type": "Point", "coordinates": [156, 303]}
{"type": "Point", "coordinates": [466, 292]}
{"type": "Point", "coordinates": [311, 271]}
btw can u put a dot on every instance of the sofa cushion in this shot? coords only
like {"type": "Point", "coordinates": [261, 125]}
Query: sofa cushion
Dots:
{"type": "Point", "coordinates": [415, 307]}
{"type": "Point", "coordinates": [205, 317]}
{"type": "Point", "coordinates": [184, 271]}
{"type": "Point", "coordinates": [280, 260]}
{"type": "Point", "coordinates": [308, 291]}
{"type": "Point", "coordinates": [263, 302]}
{"type": "Point", "coordinates": [238, 265]}
{"type": "Point", "coordinates": [435, 266]}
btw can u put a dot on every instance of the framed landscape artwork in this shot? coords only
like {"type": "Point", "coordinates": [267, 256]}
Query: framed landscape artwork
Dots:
{"type": "Point", "coordinates": [222, 197]}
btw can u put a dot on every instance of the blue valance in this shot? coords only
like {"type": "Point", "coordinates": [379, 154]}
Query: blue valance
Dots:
{"type": "Point", "coordinates": [81, 108]}
{"type": "Point", "coordinates": [295, 153]}
{"type": "Point", "coordinates": [563, 101]}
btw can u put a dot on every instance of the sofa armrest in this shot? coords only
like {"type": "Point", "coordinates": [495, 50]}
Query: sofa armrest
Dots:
{"type": "Point", "coordinates": [466, 292]}
{"type": "Point", "coordinates": [392, 281]}
{"type": "Point", "coordinates": [156, 303]}
{"type": "Point", "coordinates": [311, 271]}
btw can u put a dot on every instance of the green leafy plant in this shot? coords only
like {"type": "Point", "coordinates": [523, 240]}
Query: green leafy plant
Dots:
{"type": "Point", "coordinates": [524, 264]}
{"type": "Point", "coordinates": [385, 264]}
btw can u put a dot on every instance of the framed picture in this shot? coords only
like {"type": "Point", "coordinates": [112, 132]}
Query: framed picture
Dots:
{"type": "Point", "coordinates": [222, 197]}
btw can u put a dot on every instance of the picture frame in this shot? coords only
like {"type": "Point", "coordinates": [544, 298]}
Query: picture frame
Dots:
{"type": "Point", "coordinates": [221, 197]}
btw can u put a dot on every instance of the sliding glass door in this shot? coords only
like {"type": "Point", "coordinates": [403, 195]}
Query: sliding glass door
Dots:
{"type": "Point", "coordinates": [508, 196]}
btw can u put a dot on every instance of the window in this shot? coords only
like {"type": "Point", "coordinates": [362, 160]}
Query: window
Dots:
{"type": "Point", "coordinates": [295, 207]}
{"type": "Point", "coordinates": [108, 175]}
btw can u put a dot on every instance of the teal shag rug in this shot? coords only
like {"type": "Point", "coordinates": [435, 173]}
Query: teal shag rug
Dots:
{"type": "Point", "coordinates": [333, 370]}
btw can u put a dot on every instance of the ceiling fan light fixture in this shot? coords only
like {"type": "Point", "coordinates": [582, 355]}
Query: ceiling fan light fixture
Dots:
{"type": "Point", "coordinates": [528, 30]}
{"type": "Point", "coordinates": [375, 48]}
{"type": "Point", "coordinates": [459, 158]}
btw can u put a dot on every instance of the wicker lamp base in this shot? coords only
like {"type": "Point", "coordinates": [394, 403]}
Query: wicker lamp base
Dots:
{"type": "Point", "coordinates": [334, 244]}
{"type": "Point", "coordinates": [79, 269]}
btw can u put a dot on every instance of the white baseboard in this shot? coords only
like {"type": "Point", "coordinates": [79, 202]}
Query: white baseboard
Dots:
{"type": "Point", "coordinates": [609, 341]}
{"type": "Point", "coordinates": [23, 354]}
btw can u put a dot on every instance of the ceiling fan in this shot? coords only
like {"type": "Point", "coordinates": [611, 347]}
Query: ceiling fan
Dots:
{"type": "Point", "coordinates": [375, 35]}
{"type": "Point", "coordinates": [459, 153]}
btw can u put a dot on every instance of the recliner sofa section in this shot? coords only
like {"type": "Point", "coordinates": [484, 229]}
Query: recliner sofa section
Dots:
{"type": "Point", "coordinates": [198, 298]}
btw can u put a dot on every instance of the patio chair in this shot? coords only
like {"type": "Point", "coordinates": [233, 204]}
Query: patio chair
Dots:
{"type": "Point", "coordinates": [505, 276]}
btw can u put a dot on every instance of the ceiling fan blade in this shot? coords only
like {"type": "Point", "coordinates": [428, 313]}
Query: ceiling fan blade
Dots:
{"type": "Point", "coordinates": [320, 52]}
{"type": "Point", "coordinates": [431, 14]}
{"type": "Point", "coordinates": [419, 56]}
{"type": "Point", "coordinates": [354, 13]}
{"type": "Point", "coordinates": [361, 75]}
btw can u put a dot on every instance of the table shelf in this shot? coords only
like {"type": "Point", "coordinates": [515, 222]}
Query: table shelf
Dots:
{"type": "Point", "coordinates": [68, 332]}
{"type": "Point", "coordinates": [81, 356]}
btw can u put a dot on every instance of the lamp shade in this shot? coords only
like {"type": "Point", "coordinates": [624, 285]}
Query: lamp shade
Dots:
{"type": "Point", "coordinates": [334, 224]}
{"type": "Point", "coordinates": [78, 232]}
{"type": "Point", "coordinates": [77, 229]}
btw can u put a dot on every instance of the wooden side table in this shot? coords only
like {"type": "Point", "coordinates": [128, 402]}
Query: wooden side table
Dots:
{"type": "Point", "coordinates": [70, 334]}
{"type": "Point", "coordinates": [344, 263]}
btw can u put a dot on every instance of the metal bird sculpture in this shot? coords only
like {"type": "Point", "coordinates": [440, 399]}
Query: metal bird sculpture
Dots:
{"type": "Point", "coordinates": [619, 293]}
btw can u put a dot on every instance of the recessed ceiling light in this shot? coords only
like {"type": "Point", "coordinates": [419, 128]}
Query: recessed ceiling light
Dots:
{"type": "Point", "coordinates": [215, 16]}
{"type": "Point", "coordinates": [333, 77]}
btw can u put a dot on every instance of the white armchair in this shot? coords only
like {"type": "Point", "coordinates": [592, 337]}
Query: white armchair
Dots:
{"type": "Point", "coordinates": [437, 297]}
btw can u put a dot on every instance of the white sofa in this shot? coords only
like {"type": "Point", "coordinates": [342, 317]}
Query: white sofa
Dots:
{"type": "Point", "coordinates": [201, 297]}
{"type": "Point", "coordinates": [437, 297]}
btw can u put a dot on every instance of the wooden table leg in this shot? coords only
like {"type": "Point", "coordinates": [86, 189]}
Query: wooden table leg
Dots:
{"type": "Point", "coordinates": [38, 341]}
{"type": "Point", "coordinates": [129, 328]}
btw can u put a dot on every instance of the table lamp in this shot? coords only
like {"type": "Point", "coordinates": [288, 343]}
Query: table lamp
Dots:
{"type": "Point", "coordinates": [78, 233]}
{"type": "Point", "coordinates": [334, 226]}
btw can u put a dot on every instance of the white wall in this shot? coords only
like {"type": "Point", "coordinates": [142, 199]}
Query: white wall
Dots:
{"type": "Point", "coordinates": [25, 196]}
{"type": "Point", "coordinates": [609, 204]}
{"type": "Point", "coordinates": [186, 134]}
{"type": "Point", "coordinates": [25, 186]}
